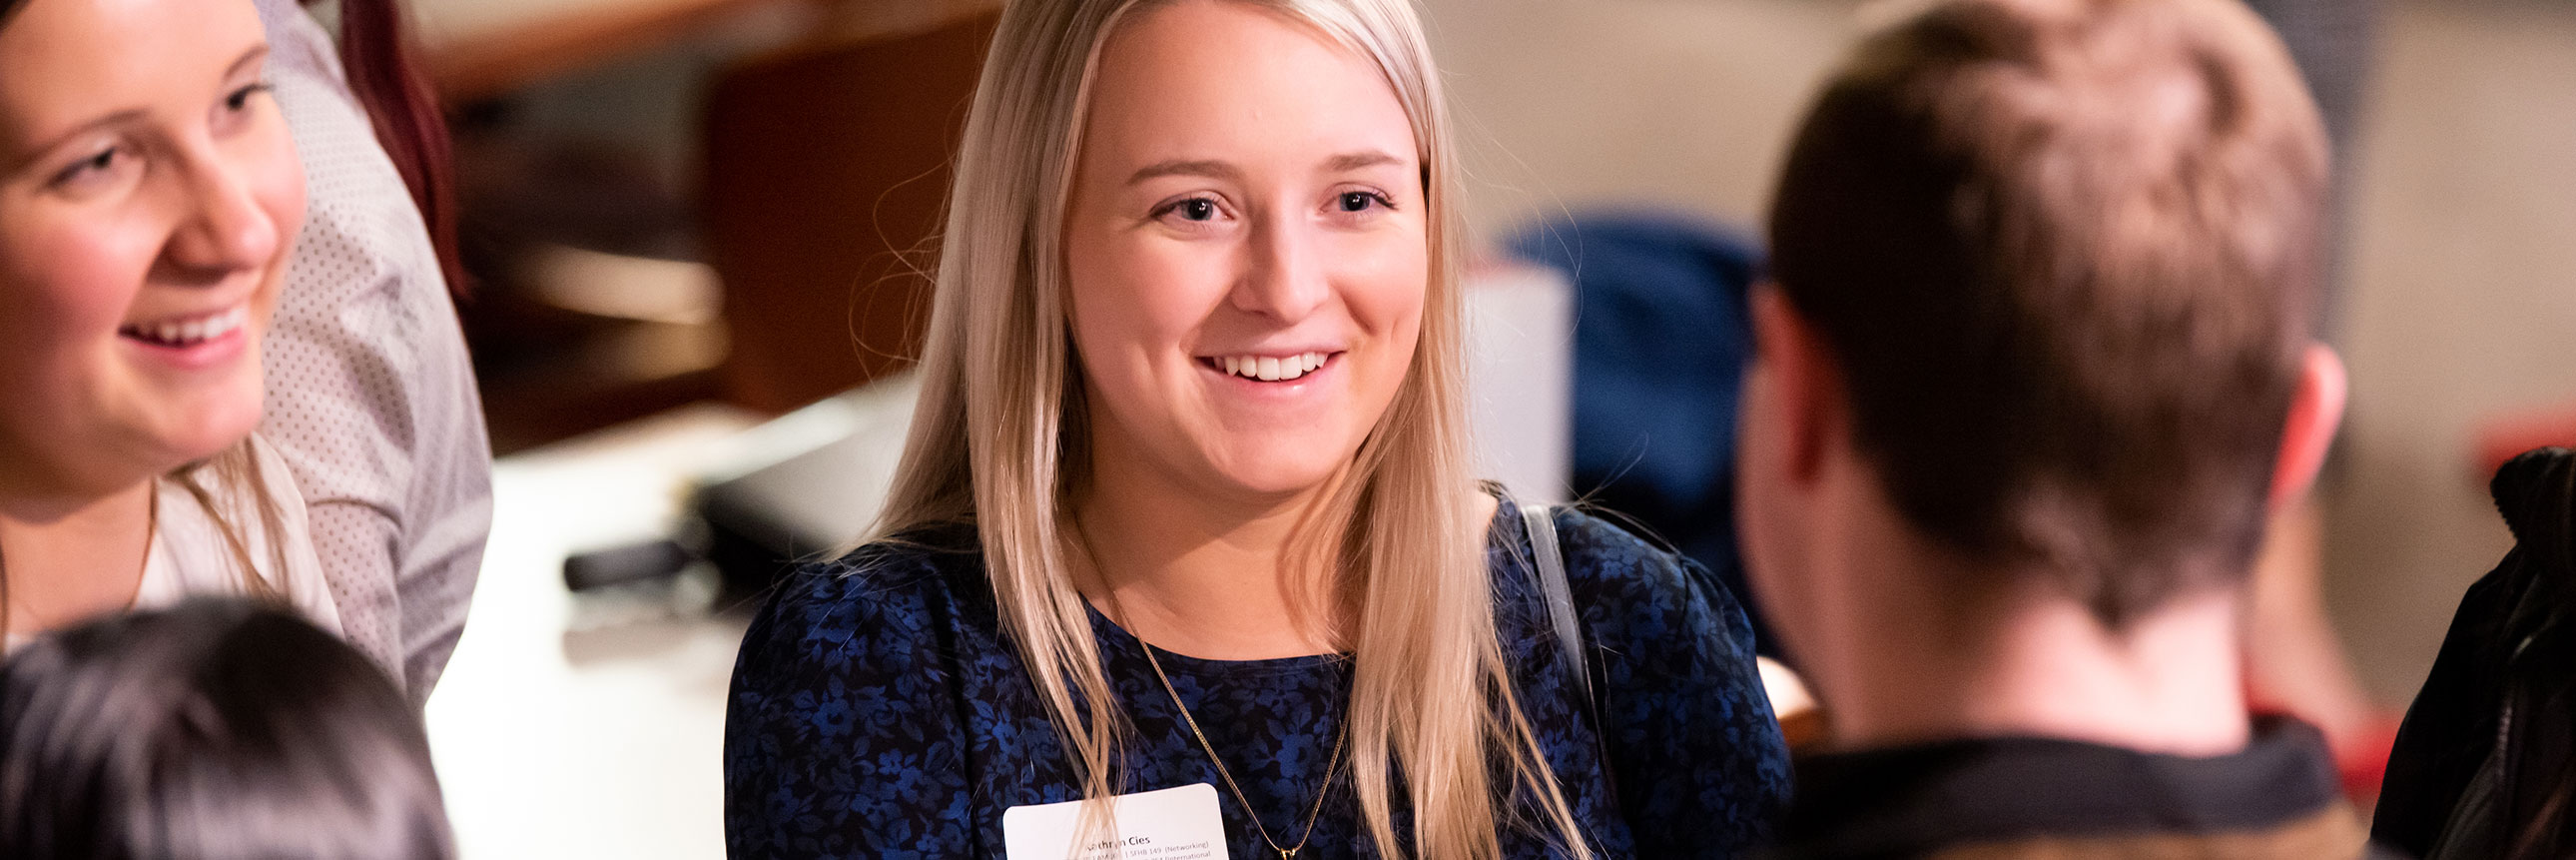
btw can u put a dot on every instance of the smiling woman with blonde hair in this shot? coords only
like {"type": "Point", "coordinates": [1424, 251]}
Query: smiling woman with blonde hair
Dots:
{"type": "Point", "coordinates": [1184, 542]}
{"type": "Point", "coordinates": [149, 196]}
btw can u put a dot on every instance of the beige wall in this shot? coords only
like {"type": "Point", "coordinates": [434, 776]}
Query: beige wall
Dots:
{"type": "Point", "coordinates": [2464, 258]}
{"type": "Point", "coordinates": [1566, 103]}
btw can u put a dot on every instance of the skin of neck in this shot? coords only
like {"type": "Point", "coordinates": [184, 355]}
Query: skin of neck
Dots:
{"type": "Point", "coordinates": [67, 558]}
{"type": "Point", "coordinates": [1206, 573]}
{"type": "Point", "coordinates": [1905, 654]}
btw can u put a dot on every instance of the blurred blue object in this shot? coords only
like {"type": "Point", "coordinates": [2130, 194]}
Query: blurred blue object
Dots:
{"type": "Point", "coordinates": [1661, 339]}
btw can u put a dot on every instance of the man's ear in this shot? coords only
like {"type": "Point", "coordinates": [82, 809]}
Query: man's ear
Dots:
{"type": "Point", "coordinates": [2316, 411]}
{"type": "Point", "coordinates": [1803, 380]}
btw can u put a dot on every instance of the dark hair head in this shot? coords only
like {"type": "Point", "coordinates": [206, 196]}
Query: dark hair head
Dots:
{"type": "Point", "coordinates": [216, 729]}
{"type": "Point", "coordinates": [2064, 252]}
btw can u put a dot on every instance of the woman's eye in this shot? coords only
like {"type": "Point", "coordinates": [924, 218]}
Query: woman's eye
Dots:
{"type": "Point", "coordinates": [1193, 210]}
{"type": "Point", "coordinates": [1360, 201]}
{"type": "Point", "coordinates": [95, 165]}
{"type": "Point", "coordinates": [240, 99]}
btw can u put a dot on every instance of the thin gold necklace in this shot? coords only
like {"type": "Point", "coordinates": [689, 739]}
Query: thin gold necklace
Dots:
{"type": "Point", "coordinates": [1339, 738]}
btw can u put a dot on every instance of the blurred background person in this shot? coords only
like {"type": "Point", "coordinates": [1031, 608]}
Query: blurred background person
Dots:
{"type": "Point", "coordinates": [215, 728]}
{"type": "Point", "coordinates": [371, 400]}
{"type": "Point", "coordinates": [2038, 369]}
{"type": "Point", "coordinates": [149, 203]}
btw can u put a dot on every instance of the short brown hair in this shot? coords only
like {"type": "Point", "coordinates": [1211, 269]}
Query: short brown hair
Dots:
{"type": "Point", "coordinates": [2064, 253]}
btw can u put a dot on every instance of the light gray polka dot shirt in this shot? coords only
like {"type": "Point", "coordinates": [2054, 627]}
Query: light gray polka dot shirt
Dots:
{"type": "Point", "coordinates": [371, 401]}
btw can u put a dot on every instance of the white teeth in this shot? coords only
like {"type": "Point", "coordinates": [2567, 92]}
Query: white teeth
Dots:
{"type": "Point", "coordinates": [191, 332]}
{"type": "Point", "coordinates": [1271, 368]}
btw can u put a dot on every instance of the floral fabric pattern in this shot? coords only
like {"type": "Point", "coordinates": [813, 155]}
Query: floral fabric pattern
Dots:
{"type": "Point", "coordinates": [878, 712]}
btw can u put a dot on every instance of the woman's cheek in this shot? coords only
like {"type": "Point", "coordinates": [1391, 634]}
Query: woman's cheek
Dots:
{"type": "Point", "coordinates": [1393, 280]}
{"type": "Point", "coordinates": [1179, 284]}
{"type": "Point", "coordinates": [79, 276]}
{"type": "Point", "coordinates": [66, 285]}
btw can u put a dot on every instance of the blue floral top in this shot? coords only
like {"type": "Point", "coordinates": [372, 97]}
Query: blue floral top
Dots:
{"type": "Point", "coordinates": [877, 711]}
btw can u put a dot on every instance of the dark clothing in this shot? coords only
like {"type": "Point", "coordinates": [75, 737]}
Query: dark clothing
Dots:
{"type": "Point", "coordinates": [877, 711]}
{"type": "Point", "coordinates": [2486, 762]}
{"type": "Point", "coordinates": [2039, 797]}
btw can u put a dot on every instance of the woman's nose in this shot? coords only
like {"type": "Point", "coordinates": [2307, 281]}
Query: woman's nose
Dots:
{"type": "Point", "coordinates": [222, 228]}
{"type": "Point", "coordinates": [1283, 278]}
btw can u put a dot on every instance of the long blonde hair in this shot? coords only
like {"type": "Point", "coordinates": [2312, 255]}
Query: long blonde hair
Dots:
{"type": "Point", "coordinates": [998, 440]}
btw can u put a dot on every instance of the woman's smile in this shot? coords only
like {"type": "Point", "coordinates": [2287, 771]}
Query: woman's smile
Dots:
{"type": "Point", "coordinates": [191, 341]}
{"type": "Point", "coordinates": [1271, 368]}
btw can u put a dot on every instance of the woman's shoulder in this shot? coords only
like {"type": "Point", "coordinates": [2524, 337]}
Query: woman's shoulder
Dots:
{"type": "Point", "coordinates": [1601, 549]}
{"type": "Point", "coordinates": [1689, 732]}
{"type": "Point", "coordinates": [927, 559]}
{"type": "Point", "coordinates": [846, 725]}
{"type": "Point", "coordinates": [1603, 543]}
{"type": "Point", "coordinates": [886, 594]}
{"type": "Point", "coordinates": [1627, 585]}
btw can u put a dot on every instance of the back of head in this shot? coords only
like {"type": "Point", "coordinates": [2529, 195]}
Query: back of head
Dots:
{"type": "Point", "coordinates": [2063, 253]}
{"type": "Point", "coordinates": [215, 729]}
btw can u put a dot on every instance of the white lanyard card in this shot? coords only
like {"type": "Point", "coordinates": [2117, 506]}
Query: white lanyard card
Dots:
{"type": "Point", "coordinates": [1168, 824]}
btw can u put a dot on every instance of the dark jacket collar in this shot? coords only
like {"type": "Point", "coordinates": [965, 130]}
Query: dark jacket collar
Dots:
{"type": "Point", "coordinates": [1902, 801]}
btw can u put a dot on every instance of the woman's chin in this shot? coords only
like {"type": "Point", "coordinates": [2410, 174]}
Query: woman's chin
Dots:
{"type": "Point", "coordinates": [1270, 475]}
{"type": "Point", "coordinates": [209, 428]}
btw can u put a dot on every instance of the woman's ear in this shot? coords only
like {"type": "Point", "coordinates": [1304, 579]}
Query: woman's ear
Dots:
{"type": "Point", "coordinates": [2316, 411]}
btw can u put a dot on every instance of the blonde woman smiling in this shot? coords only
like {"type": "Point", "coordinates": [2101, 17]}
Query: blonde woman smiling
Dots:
{"type": "Point", "coordinates": [1185, 507]}
{"type": "Point", "coordinates": [148, 193]}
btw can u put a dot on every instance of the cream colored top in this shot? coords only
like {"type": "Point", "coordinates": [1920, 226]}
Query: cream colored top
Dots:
{"type": "Point", "coordinates": [189, 556]}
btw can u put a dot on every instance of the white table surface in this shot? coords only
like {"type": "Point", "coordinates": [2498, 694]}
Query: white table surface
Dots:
{"type": "Point", "coordinates": [581, 727]}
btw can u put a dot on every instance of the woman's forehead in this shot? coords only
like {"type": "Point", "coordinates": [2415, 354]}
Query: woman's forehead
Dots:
{"type": "Point", "coordinates": [1221, 81]}
{"type": "Point", "coordinates": [68, 62]}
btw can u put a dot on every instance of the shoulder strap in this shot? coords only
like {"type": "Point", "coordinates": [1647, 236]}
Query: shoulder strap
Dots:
{"type": "Point", "coordinates": [1549, 560]}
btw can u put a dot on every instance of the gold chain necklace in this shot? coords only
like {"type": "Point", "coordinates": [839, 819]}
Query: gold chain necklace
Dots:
{"type": "Point", "coordinates": [1339, 738]}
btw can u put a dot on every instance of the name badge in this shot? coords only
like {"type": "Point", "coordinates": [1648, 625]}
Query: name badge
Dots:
{"type": "Point", "coordinates": [1170, 824]}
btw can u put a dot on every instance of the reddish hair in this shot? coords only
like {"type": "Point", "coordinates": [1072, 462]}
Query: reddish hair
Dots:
{"type": "Point", "coordinates": [376, 52]}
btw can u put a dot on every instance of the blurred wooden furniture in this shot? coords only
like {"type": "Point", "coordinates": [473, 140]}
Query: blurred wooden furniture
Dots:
{"type": "Point", "coordinates": [477, 50]}
{"type": "Point", "coordinates": [826, 171]}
